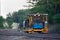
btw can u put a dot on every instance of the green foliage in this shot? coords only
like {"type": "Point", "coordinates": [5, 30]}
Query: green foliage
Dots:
{"type": "Point", "coordinates": [58, 29]}
{"type": "Point", "coordinates": [39, 8]}
{"type": "Point", "coordinates": [56, 18]}
{"type": "Point", "coordinates": [17, 17]}
{"type": "Point", "coordinates": [52, 7]}
{"type": "Point", "coordinates": [9, 20]}
{"type": "Point", "coordinates": [1, 22]}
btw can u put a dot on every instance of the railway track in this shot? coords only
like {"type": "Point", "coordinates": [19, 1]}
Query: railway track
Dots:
{"type": "Point", "coordinates": [34, 36]}
{"type": "Point", "coordinates": [29, 37]}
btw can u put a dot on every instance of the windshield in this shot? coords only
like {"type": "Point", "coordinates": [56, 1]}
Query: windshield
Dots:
{"type": "Point", "coordinates": [37, 19]}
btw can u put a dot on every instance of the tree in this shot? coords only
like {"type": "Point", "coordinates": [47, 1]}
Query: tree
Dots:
{"type": "Point", "coordinates": [56, 18]}
{"type": "Point", "coordinates": [19, 16]}
{"type": "Point", "coordinates": [9, 20]}
{"type": "Point", "coordinates": [15, 17]}
{"type": "Point", "coordinates": [1, 22]}
{"type": "Point", "coordinates": [52, 7]}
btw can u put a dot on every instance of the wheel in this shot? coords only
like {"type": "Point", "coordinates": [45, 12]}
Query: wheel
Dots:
{"type": "Point", "coordinates": [30, 32]}
{"type": "Point", "coordinates": [45, 31]}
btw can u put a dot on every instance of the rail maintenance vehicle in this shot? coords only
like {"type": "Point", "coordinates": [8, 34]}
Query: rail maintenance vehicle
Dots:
{"type": "Point", "coordinates": [36, 23]}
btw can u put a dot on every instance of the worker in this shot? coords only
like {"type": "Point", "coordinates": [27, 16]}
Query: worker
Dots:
{"type": "Point", "coordinates": [24, 24]}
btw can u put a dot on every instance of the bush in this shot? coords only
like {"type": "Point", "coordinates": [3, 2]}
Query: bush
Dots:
{"type": "Point", "coordinates": [58, 28]}
{"type": "Point", "coordinates": [1, 22]}
{"type": "Point", "coordinates": [56, 18]}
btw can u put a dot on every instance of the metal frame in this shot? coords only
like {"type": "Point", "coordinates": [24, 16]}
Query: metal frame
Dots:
{"type": "Point", "coordinates": [46, 25]}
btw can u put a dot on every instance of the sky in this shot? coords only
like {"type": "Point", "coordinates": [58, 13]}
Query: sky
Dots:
{"type": "Point", "coordinates": [7, 6]}
{"type": "Point", "coordinates": [0, 7]}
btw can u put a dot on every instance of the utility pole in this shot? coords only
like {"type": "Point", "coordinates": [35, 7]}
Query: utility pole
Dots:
{"type": "Point", "coordinates": [0, 8]}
